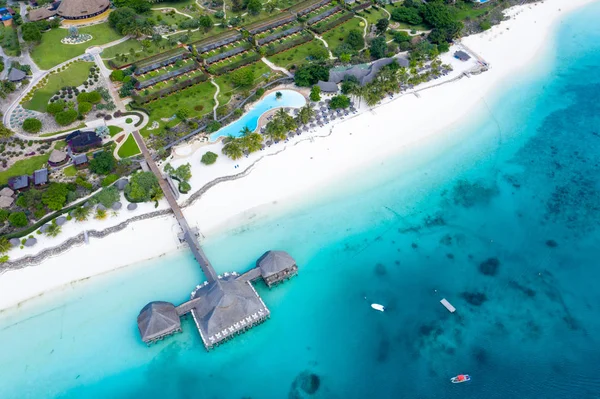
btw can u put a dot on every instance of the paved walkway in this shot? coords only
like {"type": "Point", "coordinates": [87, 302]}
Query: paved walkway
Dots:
{"type": "Point", "coordinates": [216, 98]}
{"type": "Point", "coordinates": [173, 9]}
{"type": "Point", "coordinates": [277, 68]}
{"type": "Point", "coordinates": [331, 57]}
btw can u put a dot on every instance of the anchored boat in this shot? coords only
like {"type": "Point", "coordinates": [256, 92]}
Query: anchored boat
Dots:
{"type": "Point", "coordinates": [377, 306]}
{"type": "Point", "coordinates": [460, 378]}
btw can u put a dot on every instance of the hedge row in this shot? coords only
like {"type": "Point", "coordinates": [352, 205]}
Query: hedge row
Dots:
{"type": "Point", "coordinates": [176, 87]}
{"type": "Point", "coordinates": [162, 56]}
{"type": "Point", "coordinates": [332, 24]}
{"type": "Point", "coordinates": [288, 45]}
{"type": "Point", "coordinates": [361, 6]}
{"type": "Point", "coordinates": [133, 113]}
{"type": "Point", "coordinates": [235, 65]}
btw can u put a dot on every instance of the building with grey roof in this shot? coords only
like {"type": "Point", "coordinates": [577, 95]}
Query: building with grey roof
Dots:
{"type": "Point", "coordinates": [16, 75]}
{"type": "Point", "coordinates": [30, 242]}
{"type": "Point", "coordinates": [80, 160]}
{"type": "Point", "coordinates": [61, 220]}
{"type": "Point", "coordinates": [7, 192]}
{"type": "Point", "coordinates": [276, 266]}
{"type": "Point", "coordinates": [6, 202]}
{"type": "Point", "coordinates": [158, 320]}
{"type": "Point", "coordinates": [461, 55]}
{"type": "Point", "coordinates": [226, 307]}
{"type": "Point", "coordinates": [18, 182]}
{"type": "Point", "coordinates": [40, 177]}
{"type": "Point", "coordinates": [327, 87]}
{"type": "Point", "coordinates": [364, 73]}
{"type": "Point", "coordinates": [15, 242]}
{"type": "Point", "coordinates": [57, 157]}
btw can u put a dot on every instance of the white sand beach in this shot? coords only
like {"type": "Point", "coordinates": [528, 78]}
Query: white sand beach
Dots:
{"type": "Point", "coordinates": [285, 171]}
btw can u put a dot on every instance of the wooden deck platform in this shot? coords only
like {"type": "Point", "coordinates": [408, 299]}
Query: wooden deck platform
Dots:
{"type": "Point", "coordinates": [448, 305]}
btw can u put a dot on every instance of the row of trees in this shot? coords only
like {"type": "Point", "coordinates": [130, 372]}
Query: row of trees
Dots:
{"type": "Point", "coordinates": [276, 130]}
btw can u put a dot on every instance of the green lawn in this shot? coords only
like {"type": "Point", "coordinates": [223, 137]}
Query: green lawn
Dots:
{"type": "Point", "coordinates": [114, 130]}
{"type": "Point", "coordinates": [198, 98]}
{"type": "Point", "coordinates": [51, 51]}
{"type": "Point", "coordinates": [74, 75]}
{"type": "Point", "coordinates": [129, 148]}
{"type": "Point", "coordinates": [24, 167]}
{"type": "Point", "coordinates": [337, 35]}
{"type": "Point", "coordinates": [59, 145]}
{"type": "Point", "coordinates": [161, 17]}
{"type": "Point", "coordinates": [82, 125]}
{"type": "Point", "coordinates": [70, 171]}
{"type": "Point", "coordinates": [296, 55]}
{"type": "Point", "coordinates": [228, 88]}
{"type": "Point", "coordinates": [372, 15]}
{"type": "Point", "coordinates": [9, 41]}
{"type": "Point", "coordinates": [185, 6]}
{"type": "Point", "coordinates": [471, 11]}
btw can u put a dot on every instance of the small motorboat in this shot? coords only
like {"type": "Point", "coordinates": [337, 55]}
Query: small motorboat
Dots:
{"type": "Point", "coordinates": [460, 378]}
{"type": "Point", "coordinates": [377, 306]}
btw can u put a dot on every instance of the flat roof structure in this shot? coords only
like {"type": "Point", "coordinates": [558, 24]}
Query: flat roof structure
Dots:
{"type": "Point", "coordinates": [79, 159]}
{"type": "Point", "coordinates": [18, 182]}
{"type": "Point", "coordinates": [40, 177]}
{"type": "Point", "coordinates": [461, 55]}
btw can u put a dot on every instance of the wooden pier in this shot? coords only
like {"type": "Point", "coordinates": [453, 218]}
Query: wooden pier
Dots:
{"type": "Point", "coordinates": [448, 305]}
{"type": "Point", "coordinates": [189, 237]}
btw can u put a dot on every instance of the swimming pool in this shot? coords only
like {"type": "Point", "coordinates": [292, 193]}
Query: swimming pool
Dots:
{"type": "Point", "coordinates": [289, 98]}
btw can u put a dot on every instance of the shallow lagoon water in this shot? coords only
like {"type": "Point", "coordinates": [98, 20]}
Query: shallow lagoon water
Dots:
{"type": "Point", "coordinates": [500, 216]}
{"type": "Point", "coordinates": [289, 98]}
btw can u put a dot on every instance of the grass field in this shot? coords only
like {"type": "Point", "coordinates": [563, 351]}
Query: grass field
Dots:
{"type": "Point", "coordinates": [51, 52]}
{"type": "Point", "coordinates": [70, 171]}
{"type": "Point", "coordinates": [9, 41]}
{"type": "Point", "coordinates": [74, 75]}
{"type": "Point", "coordinates": [228, 88]}
{"type": "Point", "coordinates": [297, 55]}
{"type": "Point", "coordinates": [114, 130]}
{"type": "Point", "coordinates": [162, 17]}
{"type": "Point", "coordinates": [470, 11]}
{"type": "Point", "coordinates": [337, 35]}
{"type": "Point", "coordinates": [197, 98]}
{"type": "Point", "coordinates": [129, 148]}
{"type": "Point", "coordinates": [24, 167]}
{"type": "Point", "coordinates": [372, 15]}
{"type": "Point", "coordinates": [185, 6]}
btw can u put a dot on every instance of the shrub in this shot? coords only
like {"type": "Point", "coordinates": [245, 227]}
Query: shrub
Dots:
{"type": "Point", "coordinates": [213, 126]}
{"type": "Point", "coordinates": [209, 158]}
{"type": "Point", "coordinates": [102, 163]}
{"type": "Point", "coordinates": [110, 179]}
{"type": "Point", "coordinates": [108, 196]}
{"type": "Point", "coordinates": [32, 125]}
{"type": "Point", "coordinates": [67, 117]}
{"type": "Point", "coordinates": [142, 187]}
{"type": "Point", "coordinates": [84, 107]}
{"type": "Point", "coordinates": [18, 219]}
{"type": "Point", "coordinates": [128, 120]}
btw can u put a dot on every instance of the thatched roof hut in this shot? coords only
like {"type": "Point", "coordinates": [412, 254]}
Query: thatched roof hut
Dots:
{"type": "Point", "coordinates": [81, 9]}
{"type": "Point", "coordinates": [228, 306]}
{"type": "Point", "coordinates": [121, 183]}
{"type": "Point", "coordinates": [30, 242]}
{"type": "Point", "coordinates": [157, 320]}
{"type": "Point", "coordinates": [61, 220]}
{"type": "Point", "coordinates": [15, 242]}
{"type": "Point", "coordinates": [116, 206]}
{"type": "Point", "coordinates": [132, 207]}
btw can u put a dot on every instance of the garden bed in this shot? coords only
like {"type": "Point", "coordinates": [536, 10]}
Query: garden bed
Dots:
{"type": "Point", "coordinates": [332, 22]}
{"type": "Point", "coordinates": [160, 60]}
{"type": "Point", "coordinates": [217, 41]}
{"type": "Point", "coordinates": [233, 63]}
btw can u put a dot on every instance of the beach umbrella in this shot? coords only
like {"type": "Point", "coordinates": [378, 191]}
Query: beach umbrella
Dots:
{"type": "Point", "coordinates": [311, 119]}
{"type": "Point", "coordinates": [312, 125]}
{"type": "Point", "coordinates": [323, 109]}
{"type": "Point", "coordinates": [305, 128]}
{"type": "Point", "coordinates": [291, 134]}
{"type": "Point", "coordinates": [296, 111]}
{"type": "Point", "coordinates": [269, 142]}
{"type": "Point", "coordinates": [61, 220]}
{"type": "Point", "coordinates": [116, 206]}
{"type": "Point", "coordinates": [322, 103]}
{"type": "Point", "coordinates": [132, 206]}
{"type": "Point", "coordinates": [262, 146]}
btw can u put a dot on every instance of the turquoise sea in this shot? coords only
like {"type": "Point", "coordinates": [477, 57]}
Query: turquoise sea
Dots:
{"type": "Point", "coordinates": [501, 216]}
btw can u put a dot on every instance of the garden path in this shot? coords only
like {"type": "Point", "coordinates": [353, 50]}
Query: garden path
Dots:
{"type": "Point", "coordinates": [365, 30]}
{"type": "Point", "coordinates": [215, 97]}
{"type": "Point", "coordinates": [277, 68]}
{"type": "Point", "coordinates": [174, 9]}
{"type": "Point", "coordinates": [331, 57]}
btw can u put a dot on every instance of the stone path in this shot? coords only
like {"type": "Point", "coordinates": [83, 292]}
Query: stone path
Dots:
{"type": "Point", "coordinates": [174, 9]}
{"type": "Point", "coordinates": [331, 57]}
{"type": "Point", "coordinates": [215, 98]}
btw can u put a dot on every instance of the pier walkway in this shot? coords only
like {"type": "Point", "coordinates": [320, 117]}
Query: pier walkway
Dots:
{"type": "Point", "coordinates": [189, 237]}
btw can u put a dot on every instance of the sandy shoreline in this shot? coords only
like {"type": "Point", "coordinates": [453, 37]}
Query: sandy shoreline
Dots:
{"type": "Point", "coordinates": [305, 163]}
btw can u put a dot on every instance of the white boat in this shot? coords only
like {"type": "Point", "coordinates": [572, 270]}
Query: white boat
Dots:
{"type": "Point", "coordinates": [460, 378]}
{"type": "Point", "coordinates": [377, 306]}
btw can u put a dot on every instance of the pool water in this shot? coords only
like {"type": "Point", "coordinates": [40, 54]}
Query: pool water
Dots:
{"type": "Point", "coordinates": [289, 98]}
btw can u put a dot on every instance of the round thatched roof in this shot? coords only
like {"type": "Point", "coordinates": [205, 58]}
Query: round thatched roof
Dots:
{"type": "Point", "coordinates": [15, 242]}
{"type": "Point", "coordinates": [57, 156]}
{"type": "Point", "coordinates": [117, 205]}
{"type": "Point", "coordinates": [30, 242]}
{"type": "Point", "coordinates": [132, 206]}
{"type": "Point", "coordinates": [100, 206]}
{"type": "Point", "coordinates": [273, 262]}
{"type": "Point", "coordinates": [61, 220]}
{"type": "Point", "coordinates": [44, 228]}
{"type": "Point", "coordinates": [121, 183]}
{"type": "Point", "coordinates": [74, 9]}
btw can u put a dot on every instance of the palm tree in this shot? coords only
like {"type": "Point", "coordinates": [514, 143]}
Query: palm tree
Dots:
{"type": "Point", "coordinates": [100, 214]}
{"type": "Point", "coordinates": [4, 245]}
{"type": "Point", "coordinates": [281, 113]}
{"type": "Point", "coordinates": [305, 114]}
{"type": "Point", "coordinates": [53, 230]}
{"type": "Point", "coordinates": [252, 141]}
{"type": "Point", "coordinates": [233, 149]}
{"type": "Point", "coordinates": [81, 214]}
{"type": "Point", "coordinates": [245, 131]}
{"type": "Point", "coordinates": [156, 195]}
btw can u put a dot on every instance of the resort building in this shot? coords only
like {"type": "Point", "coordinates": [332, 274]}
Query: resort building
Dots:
{"type": "Point", "coordinates": [6, 198]}
{"type": "Point", "coordinates": [57, 158]}
{"type": "Point", "coordinates": [461, 55]}
{"type": "Point", "coordinates": [39, 14]}
{"type": "Point", "coordinates": [222, 307]}
{"type": "Point", "coordinates": [18, 182]}
{"type": "Point", "coordinates": [80, 160]}
{"type": "Point", "coordinates": [16, 75]}
{"type": "Point", "coordinates": [83, 141]}
{"type": "Point", "coordinates": [6, 16]}
{"type": "Point", "coordinates": [327, 87]}
{"type": "Point", "coordinates": [364, 73]}
{"type": "Point", "coordinates": [81, 9]}
{"type": "Point", "coordinates": [40, 177]}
